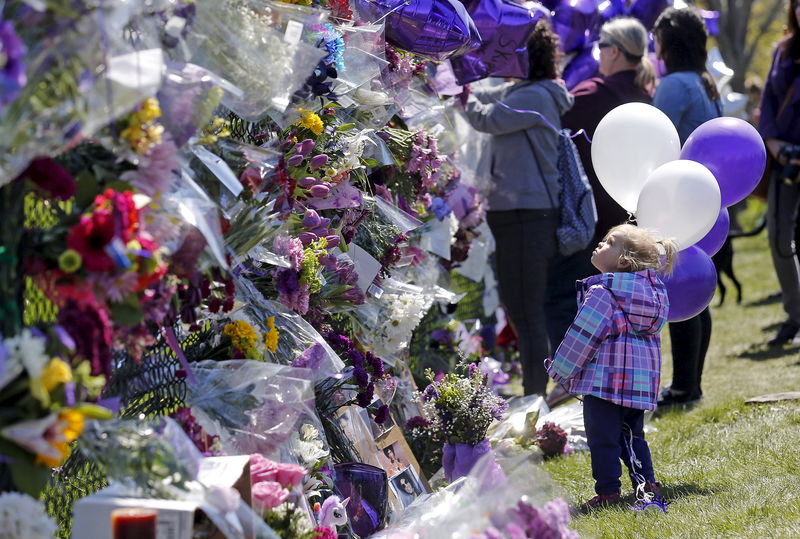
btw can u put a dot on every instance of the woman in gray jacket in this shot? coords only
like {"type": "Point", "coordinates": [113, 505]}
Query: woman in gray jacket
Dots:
{"type": "Point", "coordinates": [523, 203]}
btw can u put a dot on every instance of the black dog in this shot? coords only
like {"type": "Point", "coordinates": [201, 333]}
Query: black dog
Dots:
{"type": "Point", "coordinates": [723, 261]}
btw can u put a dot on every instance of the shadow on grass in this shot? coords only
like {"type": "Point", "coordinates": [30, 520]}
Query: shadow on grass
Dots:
{"type": "Point", "coordinates": [670, 493]}
{"type": "Point", "coordinates": [766, 300]}
{"type": "Point", "coordinates": [772, 327]}
{"type": "Point", "coordinates": [759, 352]}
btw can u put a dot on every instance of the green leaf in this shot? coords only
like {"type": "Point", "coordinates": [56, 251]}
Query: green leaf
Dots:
{"type": "Point", "coordinates": [128, 312]}
{"type": "Point", "coordinates": [345, 127]}
{"type": "Point", "coordinates": [28, 477]}
{"type": "Point", "coordinates": [370, 162]}
{"type": "Point", "coordinates": [93, 411]}
{"type": "Point", "coordinates": [86, 188]}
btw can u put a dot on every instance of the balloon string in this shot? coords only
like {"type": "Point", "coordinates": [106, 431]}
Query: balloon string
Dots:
{"type": "Point", "coordinates": [547, 122]}
{"type": "Point", "coordinates": [398, 6]}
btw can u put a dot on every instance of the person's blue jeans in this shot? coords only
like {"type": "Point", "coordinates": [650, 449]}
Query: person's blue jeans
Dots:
{"type": "Point", "coordinates": [609, 428]}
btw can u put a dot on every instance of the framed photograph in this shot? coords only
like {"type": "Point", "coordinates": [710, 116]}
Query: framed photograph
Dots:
{"type": "Point", "coordinates": [406, 486]}
{"type": "Point", "coordinates": [379, 429]}
{"type": "Point", "coordinates": [355, 423]}
{"type": "Point", "coordinates": [394, 458]}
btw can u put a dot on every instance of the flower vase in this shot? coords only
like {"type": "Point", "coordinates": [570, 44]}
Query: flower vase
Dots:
{"type": "Point", "coordinates": [459, 459]}
{"type": "Point", "coordinates": [367, 487]}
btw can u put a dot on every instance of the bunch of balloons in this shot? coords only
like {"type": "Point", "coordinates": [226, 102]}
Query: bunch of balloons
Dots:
{"type": "Point", "coordinates": [681, 194]}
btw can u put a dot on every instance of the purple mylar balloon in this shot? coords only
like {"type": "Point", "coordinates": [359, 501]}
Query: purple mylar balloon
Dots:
{"type": "Point", "coordinates": [435, 29]}
{"type": "Point", "coordinates": [691, 286]}
{"type": "Point", "coordinates": [573, 21]}
{"type": "Point", "coordinates": [606, 10]}
{"type": "Point", "coordinates": [713, 241]}
{"type": "Point", "coordinates": [648, 11]}
{"type": "Point", "coordinates": [733, 151]}
{"type": "Point", "coordinates": [583, 66]}
{"type": "Point", "coordinates": [504, 28]}
{"type": "Point", "coordinates": [711, 19]}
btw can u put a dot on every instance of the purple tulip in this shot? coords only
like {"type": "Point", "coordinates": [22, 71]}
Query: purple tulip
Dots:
{"type": "Point", "coordinates": [307, 237]}
{"type": "Point", "coordinates": [305, 147]}
{"type": "Point", "coordinates": [295, 160]}
{"type": "Point", "coordinates": [308, 181]}
{"type": "Point", "coordinates": [319, 191]}
{"type": "Point", "coordinates": [311, 219]}
{"type": "Point", "coordinates": [319, 160]}
{"type": "Point", "coordinates": [333, 241]}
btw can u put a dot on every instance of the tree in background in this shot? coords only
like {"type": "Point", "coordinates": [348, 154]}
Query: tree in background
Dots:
{"type": "Point", "coordinates": [748, 30]}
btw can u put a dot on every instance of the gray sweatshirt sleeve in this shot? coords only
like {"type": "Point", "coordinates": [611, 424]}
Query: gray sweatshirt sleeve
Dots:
{"type": "Point", "coordinates": [496, 119]}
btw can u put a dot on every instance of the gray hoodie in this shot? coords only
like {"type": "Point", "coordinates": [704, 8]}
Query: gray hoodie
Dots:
{"type": "Point", "coordinates": [524, 149]}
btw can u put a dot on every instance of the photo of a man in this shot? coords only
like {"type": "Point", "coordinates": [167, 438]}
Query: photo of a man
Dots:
{"type": "Point", "coordinates": [393, 459]}
{"type": "Point", "coordinates": [406, 487]}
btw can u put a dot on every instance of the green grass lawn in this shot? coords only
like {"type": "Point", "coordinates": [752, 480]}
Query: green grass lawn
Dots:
{"type": "Point", "coordinates": [729, 469]}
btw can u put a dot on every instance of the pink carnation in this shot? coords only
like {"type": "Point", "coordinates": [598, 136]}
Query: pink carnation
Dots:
{"type": "Point", "coordinates": [268, 495]}
{"type": "Point", "coordinates": [262, 469]}
{"type": "Point", "coordinates": [290, 475]}
{"type": "Point", "coordinates": [324, 532]}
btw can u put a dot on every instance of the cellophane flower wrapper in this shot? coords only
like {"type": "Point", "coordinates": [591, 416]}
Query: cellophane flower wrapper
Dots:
{"type": "Point", "coordinates": [78, 80]}
{"type": "Point", "coordinates": [363, 57]}
{"type": "Point", "coordinates": [394, 215]}
{"type": "Point", "coordinates": [442, 121]}
{"type": "Point", "coordinates": [299, 343]}
{"type": "Point", "coordinates": [156, 459]}
{"type": "Point", "coordinates": [478, 501]}
{"type": "Point", "coordinates": [188, 201]}
{"type": "Point", "coordinates": [144, 457]}
{"type": "Point", "coordinates": [386, 323]}
{"type": "Point", "coordinates": [185, 90]}
{"type": "Point", "coordinates": [252, 406]}
{"type": "Point", "coordinates": [235, 40]}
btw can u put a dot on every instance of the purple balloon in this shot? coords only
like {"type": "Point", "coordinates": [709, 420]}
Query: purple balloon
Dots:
{"type": "Point", "coordinates": [550, 5]}
{"type": "Point", "coordinates": [606, 10]}
{"type": "Point", "coordinates": [648, 11]}
{"type": "Point", "coordinates": [573, 21]}
{"type": "Point", "coordinates": [583, 66]}
{"type": "Point", "coordinates": [713, 241]}
{"type": "Point", "coordinates": [733, 151]}
{"type": "Point", "coordinates": [691, 286]}
{"type": "Point", "coordinates": [504, 28]}
{"type": "Point", "coordinates": [435, 29]}
{"type": "Point", "coordinates": [711, 19]}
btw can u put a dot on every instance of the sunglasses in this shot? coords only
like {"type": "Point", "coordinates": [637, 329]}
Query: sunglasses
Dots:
{"type": "Point", "coordinates": [605, 44]}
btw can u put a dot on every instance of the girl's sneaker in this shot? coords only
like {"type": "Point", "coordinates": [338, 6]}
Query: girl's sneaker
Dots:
{"type": "Point", "coordinates": [601, 500]}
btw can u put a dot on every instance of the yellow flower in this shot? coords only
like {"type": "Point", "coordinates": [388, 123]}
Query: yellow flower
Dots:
{"type": "Point", "coordinates": [311, 121]}
{"type": "Point", "coordinates": [70, 261]}
{"type": "Point", "coordinates": [239, 330]}
{"type": "Point", "coordinates": [55, 373]}
{"type": "Point", "coordinates": [67, 428]}
{"type": "Point", "coordinates": [271, 338]}
{"type": "Point", "coordinates": [150, 110]}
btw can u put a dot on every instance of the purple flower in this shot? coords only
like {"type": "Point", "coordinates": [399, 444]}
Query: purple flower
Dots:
{"type": "Point", "coordinates": [305, 147]}
{"type": "Point", "coordinates": [311, 358]}
{"type": "Point", "coordinates": [12, 72]}
{"type": "Point", "coordinates": [361, 377]}
{"type": "Point", "coordinates": [90, 328]}
{"type": "Point", "coordinates": [332, 240]}
{"type": "Point", "coordinates": [286, 280]}
{"type": "Point", "coordinates": [382, 415]}
{"type": "Point", "coordinates": [311, 219]}
{"type": "Point", "coordinates": [365, 397]}
{"type": "Point", "coordinates": [356, 357]}
{"type": "Point", "coordinates": [308, 181]}
{"type": "Point", "coordinates": [416, 422]}
{"type": "Point", "coordinates": [319, 160]}
{"type": "Point", "coordinates": [319, 191]}
{"type": "Point", "coordinates": [296, 160]}
{"type": "Point", "coordinates": [376, 364]}
{"type": "Point", "coordinates": [440, 208]}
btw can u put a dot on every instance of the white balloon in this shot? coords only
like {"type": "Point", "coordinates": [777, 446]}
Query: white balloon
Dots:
{"type": "Point", "coordinates": [681, 200]}
{"type": "Point", "coordinates": [630, 142]}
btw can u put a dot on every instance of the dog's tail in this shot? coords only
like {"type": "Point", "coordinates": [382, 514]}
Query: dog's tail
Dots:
{"type": "Point", "coordinates": [760, 225]}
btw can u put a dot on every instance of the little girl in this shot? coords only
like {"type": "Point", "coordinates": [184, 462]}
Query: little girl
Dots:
{"type": "Point", "coordinates": [612, 354]}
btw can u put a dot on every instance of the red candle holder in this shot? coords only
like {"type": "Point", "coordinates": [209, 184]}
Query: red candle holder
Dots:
{"type": "Point", "coordinates": [134, 523]}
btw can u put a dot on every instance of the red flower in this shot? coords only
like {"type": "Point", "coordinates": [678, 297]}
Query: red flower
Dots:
{"type": "Point", "coordinates": [90, 237]}
{"type": "Point", "coordinates": [48, 175]}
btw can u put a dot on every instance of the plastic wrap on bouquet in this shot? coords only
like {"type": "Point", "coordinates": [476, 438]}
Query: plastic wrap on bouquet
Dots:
{"type": "Point", "coordinates": [252, 406]}
{"type": "Point", "coordinates": [299, 343]}
{"type": "Point", "coordinates": [367, 489]}
{"type": "Point", "coordinates": [267, 65]}
{"type": "Point", "coordinates": [182, 97]}
{"type": "Point", "coordinates": [363, 56]}
{"type": "Point", "coordinates": [435, 29]}
{"type": "Point", "coordinates": [156, 459]}
{"type": "Point", "coordinates": [473, 505]}
{"type": "Point", "coordinates": [81, 77]}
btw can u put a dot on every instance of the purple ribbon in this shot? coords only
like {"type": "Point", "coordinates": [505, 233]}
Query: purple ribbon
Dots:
{"type": "Point", "coordinates": [547, 122]}
{"type": "Point", "coordinates": [172, 341]}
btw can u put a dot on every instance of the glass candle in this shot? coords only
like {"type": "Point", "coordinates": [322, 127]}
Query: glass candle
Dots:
{"type": "Point", "coordinates": [134, 523]}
